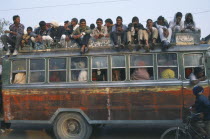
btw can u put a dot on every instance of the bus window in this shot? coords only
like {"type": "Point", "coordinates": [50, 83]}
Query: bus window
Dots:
{"type": "Point", "coordinates": [57, 70]}
{"type": "Point", "coordinates": [141, 67]}
{"type": "Point", "coordinates": [99, 68]}
{"type": "Point", "coordinates": [19, 71]}
{"type": "Point", "coordinates": [118, 68]}
{"type": "Point", "coordinates": [191, 61]}
{"type": "Point", "coordinates": [37, 70]}
{"type": "Point", "coordinates": [167, 66]}
{"type": "Point", "coordinates": [79, 71]}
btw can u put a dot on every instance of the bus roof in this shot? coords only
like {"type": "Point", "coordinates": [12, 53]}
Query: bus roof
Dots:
{"type": "Point", "coordinates": [107, 50]}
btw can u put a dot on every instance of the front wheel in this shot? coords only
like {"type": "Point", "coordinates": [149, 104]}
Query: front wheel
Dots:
{"type": "Point", "coordinates": [176, 133]}
{"type": "Point", "coordinates": [71, 126]}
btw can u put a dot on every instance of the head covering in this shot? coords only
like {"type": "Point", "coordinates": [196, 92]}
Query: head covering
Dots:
{"type": "Point", "coordinates": [54, 24]}
{"type": "Point", "coordinates": [197, 90]}
{"type": "Point", "coordinates": [168, 74]}
{"type": "Point", "coordinates": [135, 19]}
{"type": "Point", "coordinates": [189, 14]}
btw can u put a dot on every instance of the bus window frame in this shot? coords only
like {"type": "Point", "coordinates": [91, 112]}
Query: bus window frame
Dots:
{"type": "Point", "coordinates": [129, 67]}
{"type": "Point", "coordinates": [178, 72]}
{"type": "Point", "coordinates": [107, 68]}
{"type": "Point", "coordinates": [16, 71]}
{"type": "Point", "coordinates": [70, 69]}
{"type": "Point", "coordinates": [48, 72]}
{"type": "Point", "coordinates": [204, 64]}
{"type": "Point", "coordinates": [29, 70]}
{"type": "Point", "coordinates": [118, 68]}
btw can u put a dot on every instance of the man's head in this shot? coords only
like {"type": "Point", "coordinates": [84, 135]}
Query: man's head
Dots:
{"type": "Point", "coordinates": [119, 20]}
{"type": "Point", "coordinates": [29, 30]}
{"type": "Point", "coordinates": [16, 19]}
{"type": "Point", "coordinates": [198, 90]}
{"type": "Point", "coordinates": [66, 24]}
{"type": "Point", "coordinates": [99, 22]}
{"type": "Point", "coordinates": [82, 23]}
{"type": "Point", "coordinates": [74, 21]}
{"type": "Point", "coordinates": [119, 28]}
{"type": "Point", "coordinates": [43, 25]}
{"type": "Point", "coordinates": [135, 20]}
{"type": "Point", "coordinates": [149, 23]}
{"type": "Point", "coordinates": [160, 20]}
{"type": "Point", "coordinates": [199, 72]}
{"type": "Point", "coordinates": [178, 17]}
{"type": "Point", "coordinates": [108, 22]}
{"type": "Point", "coordinates": [92, 26]}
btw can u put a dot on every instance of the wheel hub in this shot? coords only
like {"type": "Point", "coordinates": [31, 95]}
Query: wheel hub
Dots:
{"type": "Point", "coordinates": [73, 127]}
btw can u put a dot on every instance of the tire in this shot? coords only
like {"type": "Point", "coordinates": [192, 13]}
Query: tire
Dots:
{"type": "Point", "coordinates": [71, 126]}
{"type": "Point", "coordinates": [175, 133]}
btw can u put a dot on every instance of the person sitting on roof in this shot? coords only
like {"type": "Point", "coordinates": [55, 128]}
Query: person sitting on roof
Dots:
{"type": "Point", "coordinates": [189, 24]}
{"type": "Point", "coordinates": [177, 25]}
{"type": "Point", "coordinates": [26, 40]}
{"type": "Point", "coordinates": [82, 36]}
{"type": "Point", "coordinates": [16, 31]}
{"type": "Point", "coordinates": [118, 34]}
{"type": "Point", "coordinates": [56, 31]}
{"type": "Point", "coordinates": [100, 31]}
{"type": "Point", "coordinates": [66, 37]}
{"type": "Point", "coordinates": [109, 25]}
{"type": "Point", "coordinates": [164, 32]}
{"type": "Point", "coordinates": [152, 33]}
{"type": "Point", "coordinates": [137, 33]}
{"type": "Point", "coordinates": [42, 35]}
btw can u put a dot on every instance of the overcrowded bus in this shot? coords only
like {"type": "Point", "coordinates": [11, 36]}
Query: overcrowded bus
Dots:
{"type": "Point", "coordinates": [73, 92]}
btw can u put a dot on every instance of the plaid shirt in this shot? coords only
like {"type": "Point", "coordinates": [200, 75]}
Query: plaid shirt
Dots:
{"type": "Point", "coordinates": [103, 31]}
{"type": "Point", "coordinates": [19, 29]}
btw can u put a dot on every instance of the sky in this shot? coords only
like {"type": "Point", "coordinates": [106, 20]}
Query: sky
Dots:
{"type": "Point", "coordinates": [63, 10]}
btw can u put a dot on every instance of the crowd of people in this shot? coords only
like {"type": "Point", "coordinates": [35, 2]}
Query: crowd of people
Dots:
{"type": "Point", "coordinates": [121, 35]}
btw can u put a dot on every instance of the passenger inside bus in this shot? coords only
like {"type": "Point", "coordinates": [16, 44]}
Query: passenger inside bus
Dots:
{"type": "Point", "coordinates": [118, 74]}
{"type": "Point", "coordinates": [54, 76]}
{"type": "Point", "coordinates": [99, 75]}
{"type": "Point", "coordinates": [140, 73]}
{"type": "Point", "coordinates": [197, 75]}
{"type": "Point", "coordinates": [83, 73]}
{"type": "Point", "coordinates": [20, 78]}
{"type": "Point", "coordinates": [167, 73]}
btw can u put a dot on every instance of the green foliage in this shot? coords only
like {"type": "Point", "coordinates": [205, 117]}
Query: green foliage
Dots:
{"type": "Point", "coordinates": [3, 24]}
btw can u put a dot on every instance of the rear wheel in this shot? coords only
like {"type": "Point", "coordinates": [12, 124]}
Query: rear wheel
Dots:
{"type": "Point", "coordinates": [175, 133]}
{"type": "Point", "coordinates": [71, 126]}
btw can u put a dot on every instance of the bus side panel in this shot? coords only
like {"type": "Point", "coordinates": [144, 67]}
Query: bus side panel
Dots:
{"type": "Point", "coordinates": [146, 103]}
{"type": "Point", "coordinates": [41, 104]}
{"type": "Point", "coordinates": [135, 103]}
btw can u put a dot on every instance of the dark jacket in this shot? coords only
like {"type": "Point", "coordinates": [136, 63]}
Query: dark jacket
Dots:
{"type": "Point", "coordinates": [202, 105]}
{"type": "Point", "coordinates": [40, 32]}
{"type": "Point", "coordinates": [139, 26]}
{"type": "Point", "coordinates": [56, 33]}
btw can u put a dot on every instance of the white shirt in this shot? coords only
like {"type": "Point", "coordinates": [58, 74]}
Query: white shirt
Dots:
{"type": "Point", "coordinates": [192, 77]}
{"type": "Point", "coordinates": [82, 76]}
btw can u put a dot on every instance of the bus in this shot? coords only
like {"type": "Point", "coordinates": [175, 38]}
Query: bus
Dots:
{"type": "Point", "coordinates": [73, 92]}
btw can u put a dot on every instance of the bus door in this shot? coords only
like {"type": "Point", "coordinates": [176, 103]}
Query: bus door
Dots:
{"type": "Point", "coordinates": [190, 62]}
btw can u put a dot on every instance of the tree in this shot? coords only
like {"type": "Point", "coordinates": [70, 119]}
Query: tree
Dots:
{"type": "Point", "coordinates": [3, 23]}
